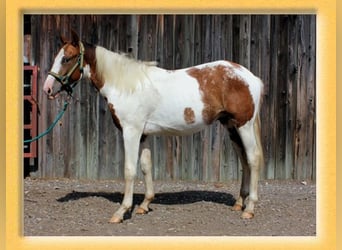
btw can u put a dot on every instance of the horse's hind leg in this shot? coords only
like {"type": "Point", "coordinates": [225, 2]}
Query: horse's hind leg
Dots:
{"type": "Point", "coordinates": [240, 150]}
{"type": "Point", "coordinates": [146, 167]}
{"type": "Point", "coordinates": [250, 136]}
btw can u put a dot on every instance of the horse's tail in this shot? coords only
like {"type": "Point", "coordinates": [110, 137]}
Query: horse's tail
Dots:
{"type": "Point", "coordinates": [257, 133]}
{"type": "Point", "coordinates": [257, 126]}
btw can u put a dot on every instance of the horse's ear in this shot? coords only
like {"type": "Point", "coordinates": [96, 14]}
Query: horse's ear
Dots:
{"type": "Point", "coordinates": [63, 39]}
{"type": "Point", "coordinates": [75, 38]}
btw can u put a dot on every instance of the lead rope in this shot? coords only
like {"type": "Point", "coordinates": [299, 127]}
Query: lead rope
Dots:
{"type": "Point", "coordinates": [58, 117]}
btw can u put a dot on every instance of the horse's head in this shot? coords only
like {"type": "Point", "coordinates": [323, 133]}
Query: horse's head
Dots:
{"type": "Point", "coordinates": [67, 68]}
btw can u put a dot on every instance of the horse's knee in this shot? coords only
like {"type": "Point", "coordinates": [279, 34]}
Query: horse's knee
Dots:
{"type": "Point", "coordinates": [130, 172]}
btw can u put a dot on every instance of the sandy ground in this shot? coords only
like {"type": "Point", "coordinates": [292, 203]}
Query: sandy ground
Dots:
{"type": "Point", "coordinates": [83, 208]}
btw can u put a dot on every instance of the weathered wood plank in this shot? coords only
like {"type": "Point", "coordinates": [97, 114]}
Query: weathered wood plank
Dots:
{"type": "Point", "coordinates": [280, 100]}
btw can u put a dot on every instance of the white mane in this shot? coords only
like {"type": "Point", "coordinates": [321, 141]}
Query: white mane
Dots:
{"type": "Point", "coordinates": [126, 74]}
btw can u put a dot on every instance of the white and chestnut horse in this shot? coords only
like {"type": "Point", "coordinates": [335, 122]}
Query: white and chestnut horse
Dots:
{"type": "Point", "coordinates": [144, 99]}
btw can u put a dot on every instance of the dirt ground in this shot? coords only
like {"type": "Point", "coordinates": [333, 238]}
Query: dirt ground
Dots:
{"type": "Point", "coordinates": [83, 208]}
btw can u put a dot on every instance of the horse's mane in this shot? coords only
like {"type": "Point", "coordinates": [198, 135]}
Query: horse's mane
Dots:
{"type": "Point", "coordinates": [120, 69]}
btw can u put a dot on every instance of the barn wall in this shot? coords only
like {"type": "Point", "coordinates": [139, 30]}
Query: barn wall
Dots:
{"type": "Point", "coordinates": [280, 49]}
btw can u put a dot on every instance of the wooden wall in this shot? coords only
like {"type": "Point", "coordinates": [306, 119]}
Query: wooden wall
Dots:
{"type": "Point", "coordinates": [280, 49]}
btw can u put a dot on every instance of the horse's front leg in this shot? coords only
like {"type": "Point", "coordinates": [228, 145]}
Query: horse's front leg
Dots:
{"type": "Point", "coordinates": [146, 167]}
{"type": "Point", "coordinates": [131, 138]}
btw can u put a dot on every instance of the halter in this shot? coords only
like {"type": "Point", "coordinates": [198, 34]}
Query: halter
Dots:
{"type": "Point", "coordinates": [66, 85]}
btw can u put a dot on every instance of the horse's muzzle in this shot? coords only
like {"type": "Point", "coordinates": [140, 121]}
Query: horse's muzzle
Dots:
{"type": "Point", "coordinates": [48, 87]}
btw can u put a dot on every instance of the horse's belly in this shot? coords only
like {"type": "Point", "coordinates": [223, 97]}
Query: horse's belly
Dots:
{"type": "Point", "coordinates": [176, 120]}
{"type": "Point", "coordinates": [171, 129]}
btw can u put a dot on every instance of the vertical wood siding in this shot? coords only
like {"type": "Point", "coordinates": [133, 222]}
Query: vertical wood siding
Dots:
{"type": "Point", "coordinates": [280, 49]}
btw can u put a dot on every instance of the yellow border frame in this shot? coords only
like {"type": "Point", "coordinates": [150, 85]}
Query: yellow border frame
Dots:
{"type": "Point", "coordinates": [339, 121]}
{"type": "Point", "coordinates": [326, 134]}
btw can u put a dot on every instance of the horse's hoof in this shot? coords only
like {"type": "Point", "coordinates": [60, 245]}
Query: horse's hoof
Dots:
{"type": "Point", "coordinates": [247, 215]}
{"type": "Point", "coordinates": [237, 207]}
{"type": "Point", "coordinates": [115, 220]}
{"type": "Point", "coordinates": [140, 210]}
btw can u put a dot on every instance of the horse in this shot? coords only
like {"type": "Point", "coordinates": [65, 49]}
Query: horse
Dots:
{"type": "Point", "coordinates": [145, 99]}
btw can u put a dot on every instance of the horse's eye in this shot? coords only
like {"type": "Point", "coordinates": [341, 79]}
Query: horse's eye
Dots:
{"type": "Point", "coordinates": [65, 60]}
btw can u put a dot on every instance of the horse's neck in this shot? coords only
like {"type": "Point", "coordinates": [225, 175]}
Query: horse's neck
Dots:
{"type": "Point", "coordinates": [123, 73]}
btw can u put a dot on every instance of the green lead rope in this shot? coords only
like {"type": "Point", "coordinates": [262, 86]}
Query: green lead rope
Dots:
{"type": "Point", "coordinates": [58, 117]}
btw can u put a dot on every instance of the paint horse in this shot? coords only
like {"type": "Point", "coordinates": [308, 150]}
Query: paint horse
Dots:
{"type": "Point", "coordinates": [144, 99]}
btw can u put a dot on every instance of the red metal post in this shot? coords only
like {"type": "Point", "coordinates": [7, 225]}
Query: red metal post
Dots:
{"type": "Point", "coordinates": [32, 125]}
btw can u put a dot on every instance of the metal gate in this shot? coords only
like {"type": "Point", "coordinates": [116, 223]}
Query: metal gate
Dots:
{"type": "Point", "coordinates": [30, 110]}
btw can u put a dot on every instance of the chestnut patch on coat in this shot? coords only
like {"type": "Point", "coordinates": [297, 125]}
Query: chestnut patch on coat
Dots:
{"type": "Point", "coordinates": [115, 118]}
{"type": "Point", "coordinates": [70, 51]}
{"type": "Point", "coordinates": [189, 115]}
{"type": "Point", "coordinates": [90, 58]}
{"type": "Point", "coordinates": [223, 92]}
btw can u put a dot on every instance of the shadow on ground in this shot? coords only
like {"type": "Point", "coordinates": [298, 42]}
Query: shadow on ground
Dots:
{"type": "Point", "coordinates": [175, 198]}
